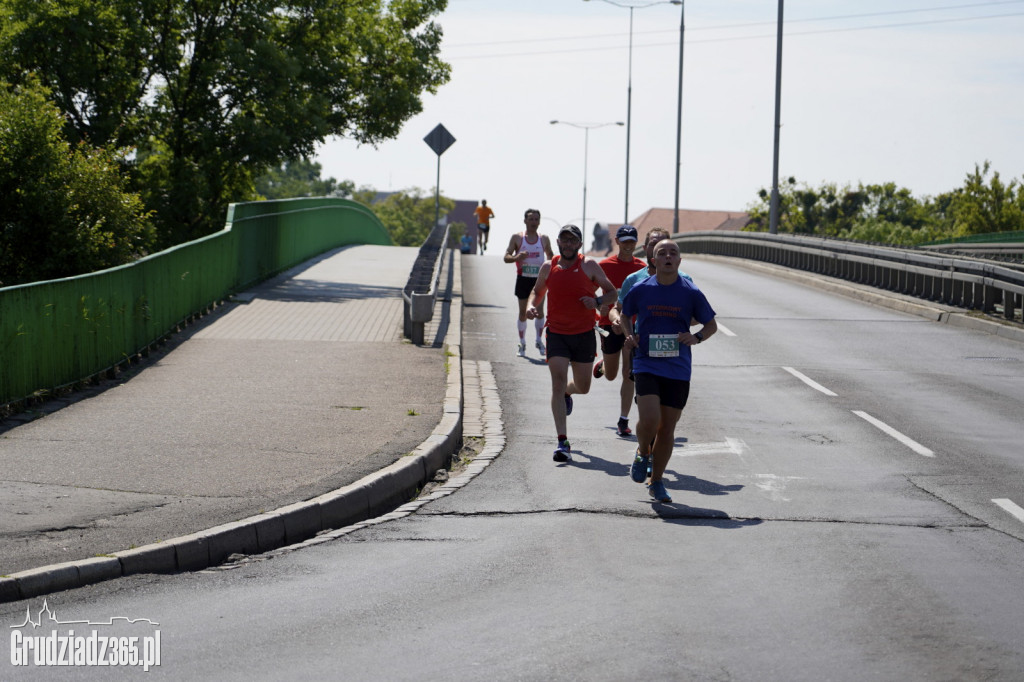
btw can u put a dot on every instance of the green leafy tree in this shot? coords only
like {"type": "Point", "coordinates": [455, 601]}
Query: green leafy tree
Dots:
{"type": "Point", "coordinates": [66, 209]}
{"type": "Point", "coordinates": [883, 213]}
{"type": "Point", "coordinates": [888, 214]}
{"type": "Point", "coordinates": [791, 219]}
{"type": "Point", "coordinates": [300, 178]}
{"type": "Point", "coordinates": [408, 216]}
{"type": "Point", "coordinates": [211, 93]}
{"type": "Point", "coordinates": [986, 204]}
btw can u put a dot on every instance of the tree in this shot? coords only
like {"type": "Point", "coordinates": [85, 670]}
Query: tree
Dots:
{"type": "Point", "coordinates": [211, 93]}
{"type": "Point", "coordinates": [883, 213]}
{"type": "Point", "coordinates": [66, 208]}
{"type": "Point", "coordinates": [300, 178]}
{"type": "Point", "coordinates": [986, 205]}
{"type": "Point", "coordinates": [408, 216]}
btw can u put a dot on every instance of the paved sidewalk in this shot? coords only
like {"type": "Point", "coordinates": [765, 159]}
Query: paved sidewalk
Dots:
{"type": "Point", "coordinates": [300, 387]}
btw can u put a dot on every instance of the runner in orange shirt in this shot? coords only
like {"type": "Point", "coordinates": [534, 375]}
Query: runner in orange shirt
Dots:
{"type": "Point", "coordinates": [483, 222]}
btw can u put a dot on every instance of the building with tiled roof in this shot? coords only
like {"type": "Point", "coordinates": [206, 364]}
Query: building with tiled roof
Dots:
{"type": "Point", "coordinates": [689, 221]}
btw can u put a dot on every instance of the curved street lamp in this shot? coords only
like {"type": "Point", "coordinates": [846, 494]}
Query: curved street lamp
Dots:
{"type": "Point", "coordinates": [586, 143]}
{"type": "Point", "coordinates": [629, 85]}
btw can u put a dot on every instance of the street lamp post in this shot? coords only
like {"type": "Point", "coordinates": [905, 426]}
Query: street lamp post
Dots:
{"type": "Point", "coordinates": [629, 83]}
{"type": "Point", "coordinates": [587, 127]}
{"type": "Point", "coordinates": [773, 207]}
{"type": "Point", "coordinates": [679, 117]}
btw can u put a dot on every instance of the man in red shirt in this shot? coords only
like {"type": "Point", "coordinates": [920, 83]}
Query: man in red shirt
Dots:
{"type": "Point", "coordinates": [572, 281]}
{"type": "Point", "coordinates": [618, 267]}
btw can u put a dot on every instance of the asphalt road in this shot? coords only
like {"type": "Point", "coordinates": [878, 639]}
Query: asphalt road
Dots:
{"type": "Point", "coordinates": [833, 520]}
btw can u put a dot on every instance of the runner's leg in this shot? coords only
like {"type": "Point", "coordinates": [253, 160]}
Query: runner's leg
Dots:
{"type": "Point", "coordinates": [665, 441]}
{"type": "Point", "coordinates": [626, 389]}
{"type": "Point", "coordinates": [611, 365]}
{"type": "Point", "coordinates": [649, 409]}
{"type": "Point", "coordinates": [559, 368]}
{"type": "Point", "coordinates": [581, 376]}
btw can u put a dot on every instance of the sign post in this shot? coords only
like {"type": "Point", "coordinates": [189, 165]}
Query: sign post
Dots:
{"type": "Point", "coordinates": [438, 139]}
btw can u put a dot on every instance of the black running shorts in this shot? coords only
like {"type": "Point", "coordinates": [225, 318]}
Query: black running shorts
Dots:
{"type": "Point", "coordinates": [576, 347]}
{"type": "Point", "coordinates": [524, 286]}
{"type": "Point", "coordinates": [611, 344]}
{"type": "Point", "coordinates": [670, 392]}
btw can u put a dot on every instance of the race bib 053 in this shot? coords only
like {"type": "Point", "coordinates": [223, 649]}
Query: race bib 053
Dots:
{"type": "Point", "coordinates": [663, 346]}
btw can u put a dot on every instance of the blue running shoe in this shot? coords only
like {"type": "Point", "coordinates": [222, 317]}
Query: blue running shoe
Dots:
{"type": "Point", "coordinates": [658, 492]}
{"type": "Point", "coordinates": [568, 404]}
{"type": "Point", "coordinates": [562, 453]}
{"type": "Point", "coordinates": [638, 470]}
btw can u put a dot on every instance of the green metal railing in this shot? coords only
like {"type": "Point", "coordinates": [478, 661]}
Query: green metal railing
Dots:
{"type": "Point", "coordinates": [59, 332]}
{"type": "Point", "coordinates": [987, 238]}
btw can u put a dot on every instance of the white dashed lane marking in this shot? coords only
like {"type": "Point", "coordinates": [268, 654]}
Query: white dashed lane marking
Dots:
{"type": "Point", "coordinates": [1011, 508]}
{"type": "Point", "coordinates": [810, 382]}
{"type": "Point", "coordinates": [906, 440]}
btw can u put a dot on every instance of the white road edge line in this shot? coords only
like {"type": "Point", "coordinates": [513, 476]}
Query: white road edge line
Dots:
{"type": "Point", "coordinates": [722, 328]}
{"type": "Point", "coordinates": [1010, 507]}
{"type": "Point", "coordinates": [810, 382]}
{"type": "Point", "coordinates": [909, 442]}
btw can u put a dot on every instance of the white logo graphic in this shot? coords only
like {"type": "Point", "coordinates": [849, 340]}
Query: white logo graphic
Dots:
{"type": "Point", "coordinates": [65, 648]}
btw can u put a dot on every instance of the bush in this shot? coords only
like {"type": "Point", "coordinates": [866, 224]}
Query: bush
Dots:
{"type": "Point", "coordinates": [66, 210]}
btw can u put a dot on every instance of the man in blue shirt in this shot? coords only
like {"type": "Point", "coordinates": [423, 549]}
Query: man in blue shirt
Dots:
{"type": "Point", "coordinates": [664, 306]}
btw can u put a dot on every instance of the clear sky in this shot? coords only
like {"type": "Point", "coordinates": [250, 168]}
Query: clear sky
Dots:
{"type": "Point", "coordinates": [914, 92]}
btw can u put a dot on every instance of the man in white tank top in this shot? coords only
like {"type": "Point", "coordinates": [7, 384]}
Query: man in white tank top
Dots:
{"type": "Point", "coordinates": [528, 250]}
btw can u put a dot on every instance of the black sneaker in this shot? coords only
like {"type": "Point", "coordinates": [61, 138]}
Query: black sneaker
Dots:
{"type": "Point", "coordinates": [623, 428]}
{"type": "Point", "coordinates": [568, 404]}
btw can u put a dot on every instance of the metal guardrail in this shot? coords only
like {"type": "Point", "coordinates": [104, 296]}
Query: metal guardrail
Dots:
{"type": "Point", "coordinates": [421, 290]}
{"type": "Point", "coordinates": [1010, 253]}
{"type": "Point", "coordinates": [973, 284]}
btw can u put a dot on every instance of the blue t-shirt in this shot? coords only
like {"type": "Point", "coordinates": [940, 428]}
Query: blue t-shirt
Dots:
{"type": "Point", "coordinates": [662, 312]}
{"type": "Point", "coordinates": [639, 276]}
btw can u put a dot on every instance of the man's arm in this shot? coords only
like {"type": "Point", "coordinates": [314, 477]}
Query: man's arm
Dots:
{"type": "Point", "coordinates": [511, 253]}
{"type": "Point", "coordinates": [546, 243]}
{"type": "Point", "coordinates": [709, 328]}
{"type": "Point", "coordinates": [539, 291]}
{"type": "Point", "coordinates": [626, 322]}
{"type": "Point", "coordinates": [614, 315]}
{"type": "Point", "coordinates": [608, 291]}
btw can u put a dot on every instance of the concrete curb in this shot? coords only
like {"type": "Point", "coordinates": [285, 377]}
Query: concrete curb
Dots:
{"type": "Point", "coordinates": [378, 494]}
{"type": "Point", "coordinates": [936, 312]}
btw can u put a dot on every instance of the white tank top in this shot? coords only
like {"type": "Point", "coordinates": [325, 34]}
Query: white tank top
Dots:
{"type": "Point", "coordinates": [535, 256]}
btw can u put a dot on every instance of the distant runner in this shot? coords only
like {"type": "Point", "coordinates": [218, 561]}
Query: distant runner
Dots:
{"type": "Point", "coordinates": [483, 222]}
{"type": "Point", "coordinates": [528, 250]}
{"type": "Point", "coordinates": [573, 281]}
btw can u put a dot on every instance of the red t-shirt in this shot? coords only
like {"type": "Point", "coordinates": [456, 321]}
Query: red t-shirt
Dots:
{"type": "Point", "coordinates": [617, 271]}
{"type": "Point", "coordinates": [566, 313]}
